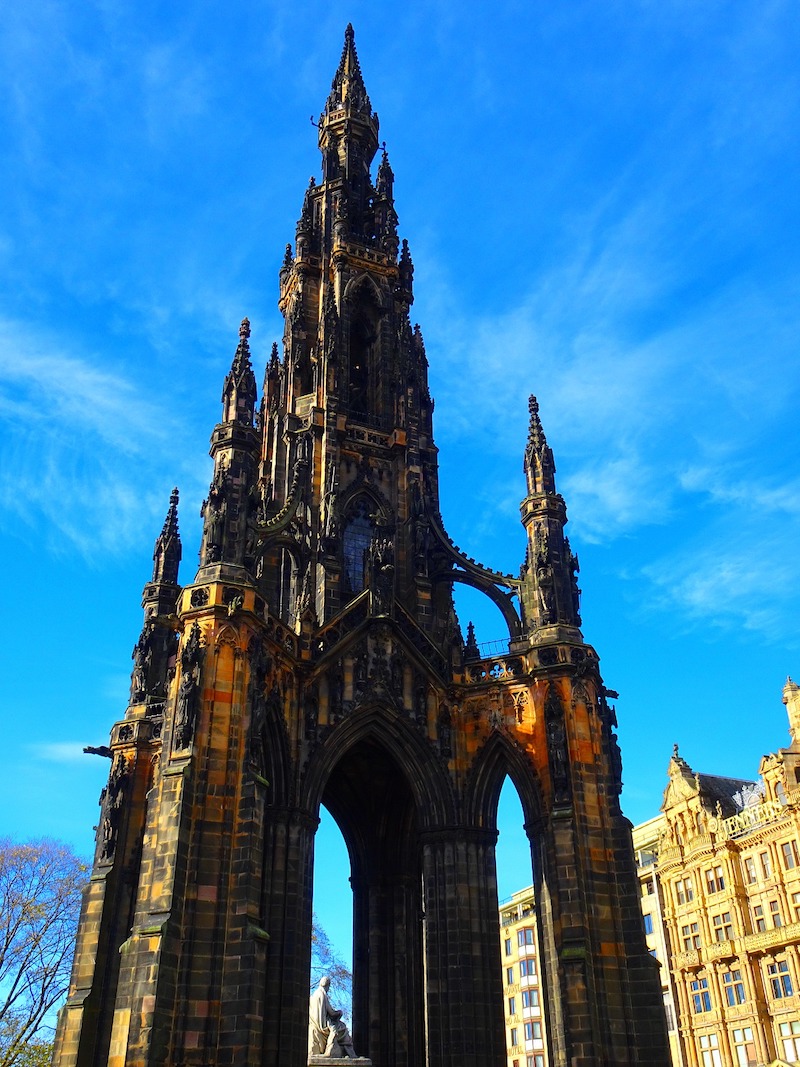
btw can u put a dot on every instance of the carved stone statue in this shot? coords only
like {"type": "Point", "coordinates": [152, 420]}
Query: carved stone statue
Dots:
{"type": "Point", "coordinates": [327, 1034]}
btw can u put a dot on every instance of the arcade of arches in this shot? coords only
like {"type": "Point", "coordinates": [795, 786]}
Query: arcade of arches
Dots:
{"type": "Point", "coordinates": [316, 658]}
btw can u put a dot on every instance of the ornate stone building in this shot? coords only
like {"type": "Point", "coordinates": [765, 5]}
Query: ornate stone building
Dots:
{"type": "Point", "coordinates": [315, 658]}
{"type": "Point", "coordinates": [526, 1038]}
{"type": "Point", "coordinates": [727, 879]}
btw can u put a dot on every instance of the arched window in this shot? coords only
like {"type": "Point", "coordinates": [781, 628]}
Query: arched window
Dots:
{"type": "Point", "coordinates": [361, 337]}
{"type": "Point", "coordinates": [356, 539]}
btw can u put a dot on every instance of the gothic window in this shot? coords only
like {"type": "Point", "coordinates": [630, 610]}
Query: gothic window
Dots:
{"type": "Point", "coordinates": [356, 540]}
{"type": "Point", "coordinates": [361, 339]}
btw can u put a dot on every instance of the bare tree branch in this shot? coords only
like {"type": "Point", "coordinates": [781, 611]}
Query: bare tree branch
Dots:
{"type": "Point", "coordinates": [40, 897]}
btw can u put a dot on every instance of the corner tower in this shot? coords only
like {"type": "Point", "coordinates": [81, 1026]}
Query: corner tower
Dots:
{"type": "Point", "coordinates": [316, 658]}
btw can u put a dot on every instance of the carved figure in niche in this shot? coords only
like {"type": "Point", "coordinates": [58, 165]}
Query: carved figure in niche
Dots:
{"type": "Point", "coordinates": [259, 666]}
{"type": "Point", "coordinates": [327, 1034]}
{"type": "Point", "coordinates": [141, 660]}
{"type": "Point", "coordinates": [214, 511]}
{"type": "Point", "coordinates": [574, 568]}
{"type": "Point", "coordinates": [420, 529]}
{"type": "Point", "coordinates": [111, 800]}
{"type": "Point", "coordinates": [331, 528]}
{"type": "Point", "coordinates": [189, 689]}
{"type": "Point", "coordinates": [360, 674]}
{"type": "Point", "coordinates": [335, 691]}
{"type": "Point", "coordinates": [381, 569]}
{"type": "Point", "coordinates": [557, 745]}
{"type": "Point", "coordinates": [421, 705]}
{"type": "Point", "coordinates": [312, 714]}
{"type": "Point", "coordinates": [541, 546]}
{"type": "Point", "coordinates": [547, 595]}
{"type": "Point", "coordinates": [398, 677]}
{"type": "Point", "coordinates": [445, 729]}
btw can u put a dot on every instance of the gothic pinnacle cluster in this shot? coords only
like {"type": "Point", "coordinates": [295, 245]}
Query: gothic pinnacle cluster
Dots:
{"type": "Point", "coordinates": [316, 659]}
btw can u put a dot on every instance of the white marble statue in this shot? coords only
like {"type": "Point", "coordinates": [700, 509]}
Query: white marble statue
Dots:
{"type": "Point", "coordinates": [327, 1034]}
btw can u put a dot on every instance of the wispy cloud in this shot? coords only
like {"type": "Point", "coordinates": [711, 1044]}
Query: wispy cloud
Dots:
{"type": "Point", "coordinates": [86, 446]}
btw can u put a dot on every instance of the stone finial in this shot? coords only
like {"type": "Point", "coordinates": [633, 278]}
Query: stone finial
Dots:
{"type": "Point", "coordinates": [791, 698]}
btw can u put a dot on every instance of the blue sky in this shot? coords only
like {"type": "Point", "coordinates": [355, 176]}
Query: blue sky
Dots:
{"type": "Point", "coordinates": [601, 202]}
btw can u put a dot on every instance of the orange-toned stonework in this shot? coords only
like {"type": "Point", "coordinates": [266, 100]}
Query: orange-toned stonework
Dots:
{"type": "Point", "coordinates": [316, 658]}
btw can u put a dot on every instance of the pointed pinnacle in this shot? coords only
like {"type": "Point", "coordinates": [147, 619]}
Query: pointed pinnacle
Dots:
{"type": "Point", "coordinates": [348, 83]}
{"type": "Point", "coordinates": [171, 521]}
{"type": "Point", "coordinates": [241, 359]}
{"type": "Point", "coordinates": [536, 438]}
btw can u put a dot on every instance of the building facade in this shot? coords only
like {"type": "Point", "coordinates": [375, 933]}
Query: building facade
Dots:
{"type": "Point", "coordinates": [315, 658]}
{"type": "Point", "coordinates": [526, 1039]}
{"type": "Point", "coordinates": [727, 888]}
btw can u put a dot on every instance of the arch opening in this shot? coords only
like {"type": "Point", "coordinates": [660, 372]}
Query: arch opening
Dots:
{"type": "Point", "coordinates": [520, 934]}
{"type": "Point", "coordinates": [332, 933]}
{"type": "Point", "coordinates": [371, 801]}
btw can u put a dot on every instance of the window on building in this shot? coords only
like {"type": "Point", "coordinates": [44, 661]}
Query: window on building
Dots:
{"type": "Point", "coordinates": [743, 1047]}
{"type": "Point", "coordinates": [530, 998]}
{"type": "Point", "coordinates": [780, 980]}
{"type": "Point", "coordinates": [734, 988]}
{"type": "Point", "coordinates": [533, 1031]}
{"type": "Point", "coordinates": [529, 1031]}
{"type": "Point", "coordinates": [709, 1051]}
{"type": "Point", "coordinates": [509, 975]}
{"type": "Point", "coordinates": [766, 864]}
{"type": "Point", "coordinates": [790, 854]}
{"type": "Point", "coordinates": [759, 922]}
{"type": "Point", "coordinates": [715, 879]}
{"type": "Point", "coordinates": [701, 998]}
{"type": "Point", "coordinates": [514, 1036]}
{"type": "Point", "coordinates": [723, 926]}
{"type": "Point", "coordinates": [648, 923]}
{"type": "Point", "coordinates": [648, 887]}
{"type": "Point", "coordinates": [750, 870]}
{"type": "Point", "coordinates": [796, 906]}
{"type": "Point", "coordinates": [669, 1011]}
{"type": "Point", "coordinates": [775, 913]}
{"type": "Point", "coordinates": [528, 967]}
{"type": "Point", "coordinates": [355, 542]}
{"type": "Point", "coordinates": [691, 936]}
{"type": "Point", "coordinates": [684, 890]}
{"type": "Point", "coordinates": [512, 1005]}
{"type": "Point", "coordinates": [536, 1060]}
{"type": "Point", "coordinates": [525, 937]}
{"type": "Point", "coordinates": [790, 1039]}
{"type": "Point", "coordinates": [507, 946]}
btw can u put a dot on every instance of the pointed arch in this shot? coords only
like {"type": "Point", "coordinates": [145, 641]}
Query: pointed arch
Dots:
{"type": "Point", "coordinates": [427, 779]}
{"type": "Point", "coordinates": [499, 757]}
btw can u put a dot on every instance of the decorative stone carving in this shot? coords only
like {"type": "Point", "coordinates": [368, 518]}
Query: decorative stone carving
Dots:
{"type": "Point", "coordinates": [189, 689]}
{"type": "Point", "coordinates": [111, 801]}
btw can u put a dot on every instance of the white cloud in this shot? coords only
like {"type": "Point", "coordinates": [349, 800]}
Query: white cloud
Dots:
{"type": "Point", "coordinates": [60, 751]}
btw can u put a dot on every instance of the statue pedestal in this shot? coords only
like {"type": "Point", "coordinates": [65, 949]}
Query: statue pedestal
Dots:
{"type": "Point", "coordinates": [338, 1061]}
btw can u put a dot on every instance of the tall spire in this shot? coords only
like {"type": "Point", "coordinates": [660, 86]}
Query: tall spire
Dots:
{"type": "Point", "coordinates": [539, 465]}
{"type": "Point", "coordinates": [348, 90]}
{"type": "Point", "coordinates": [239, 390]}
{"type": "Point", "coordinates": [167, 550]}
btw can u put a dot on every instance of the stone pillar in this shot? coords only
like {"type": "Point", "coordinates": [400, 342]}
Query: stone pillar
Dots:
{"type": "Point", "coordinates": [462, 957]}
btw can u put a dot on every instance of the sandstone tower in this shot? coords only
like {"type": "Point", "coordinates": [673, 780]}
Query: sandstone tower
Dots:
{"type": "Point", "coordinates": [316, 658]}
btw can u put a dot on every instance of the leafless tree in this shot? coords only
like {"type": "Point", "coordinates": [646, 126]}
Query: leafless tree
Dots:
{"type": "Point", "coordinates": [326, 960]}
{"type": "Point", "coordinates": [40, 897]}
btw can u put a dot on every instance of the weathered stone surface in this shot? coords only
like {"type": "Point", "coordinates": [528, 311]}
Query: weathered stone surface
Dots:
{"type": "Point", "coordinates": [319, 660]}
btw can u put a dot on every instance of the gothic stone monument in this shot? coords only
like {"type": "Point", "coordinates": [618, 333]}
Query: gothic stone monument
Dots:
{"type": "Point", "coordinates": [316, 658]}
